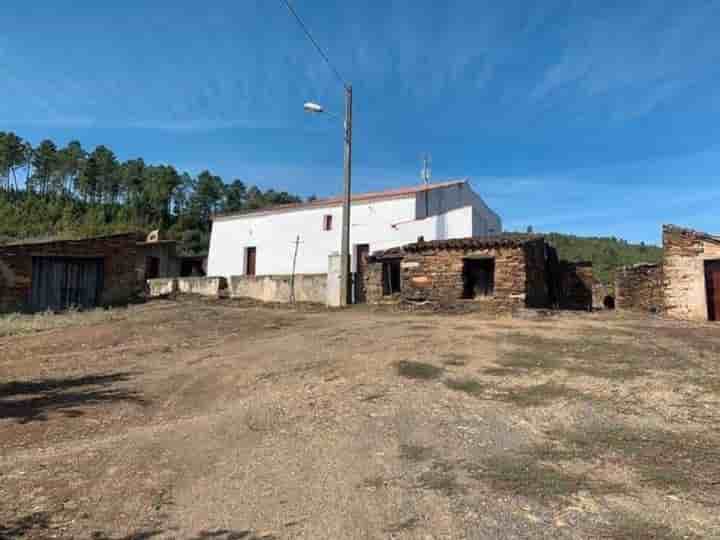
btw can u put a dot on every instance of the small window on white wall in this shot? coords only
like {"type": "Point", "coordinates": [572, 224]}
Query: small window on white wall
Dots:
{"type": "Point", "coordinates": [327, 222]}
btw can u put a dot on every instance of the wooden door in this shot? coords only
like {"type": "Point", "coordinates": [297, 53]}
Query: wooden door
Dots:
{"type": "Point", "coordinates": [712, 283]}
{"type": "Point", "coordinates": [362, 251]}
{"type": "Point", "coordinates": [250, 257]}
{"type": "Point", "coordinates": [59, 283]}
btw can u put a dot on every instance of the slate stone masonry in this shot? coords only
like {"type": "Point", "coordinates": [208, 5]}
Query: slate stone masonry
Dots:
{"type": "Point", "coordinates": [433, 271]}
{"type": "Point", "coordinates": [640, 288]}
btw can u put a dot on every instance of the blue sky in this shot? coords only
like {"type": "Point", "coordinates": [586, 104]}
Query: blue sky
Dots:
{"type": "Point", "coordinates": [595, 118]}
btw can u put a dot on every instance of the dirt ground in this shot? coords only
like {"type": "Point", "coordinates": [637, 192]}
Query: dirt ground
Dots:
{"type": "Point", "coordinates": [193, 419]}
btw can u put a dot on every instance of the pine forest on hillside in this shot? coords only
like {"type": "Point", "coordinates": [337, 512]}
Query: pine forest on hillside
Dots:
{"type": "Point", "coordinates": [48, 191]}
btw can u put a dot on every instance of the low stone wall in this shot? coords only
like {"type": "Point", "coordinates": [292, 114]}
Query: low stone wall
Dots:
{"type": "Point", "coordinates": [162, 287]}
{"type": "Point", "coordinates": [639, 288]}
{"type": "Point", "coordinates": [308, 288]}
{"type": "Point", "coordinates": [204, 286]}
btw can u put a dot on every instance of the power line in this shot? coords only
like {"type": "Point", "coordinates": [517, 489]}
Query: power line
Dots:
{"type": "Point", "coordinates": [315, 43]}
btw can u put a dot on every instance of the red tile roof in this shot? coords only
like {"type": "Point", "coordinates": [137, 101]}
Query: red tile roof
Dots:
{"type": "Point", "coordinates": [398, 193]}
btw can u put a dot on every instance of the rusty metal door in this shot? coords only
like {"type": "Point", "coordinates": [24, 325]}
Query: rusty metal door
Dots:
{"type": "Point", "coordinates": [59, 283]}
{"type": "Point", "coordinates": [712, 283]}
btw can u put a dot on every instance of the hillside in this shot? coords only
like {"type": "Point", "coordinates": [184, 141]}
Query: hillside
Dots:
{"type": "Point", "coordinates": [605, 253]}
{"type": "Point", "coordinates": [47, 191]}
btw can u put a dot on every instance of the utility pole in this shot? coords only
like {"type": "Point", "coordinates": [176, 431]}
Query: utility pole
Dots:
{"type": "Point", "coordinates": [345, 245]}
{"type": "Point", "coordinates": [315, 108]}
{"type": "Point", "coordinates": [292, 277]}
{"type": "Point", "coordinates": [425, 173]}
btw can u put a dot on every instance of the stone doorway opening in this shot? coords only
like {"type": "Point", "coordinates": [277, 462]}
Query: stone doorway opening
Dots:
{"type": "Point", "coordinates": [478, 277]}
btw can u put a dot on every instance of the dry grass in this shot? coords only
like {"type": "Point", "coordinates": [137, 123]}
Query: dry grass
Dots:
{"type": "Point", "coordinates": [263, 417]}
{"type": "Point", "coordinates": [539, 394]}
{"type": "Point", "coordinates": [528, 396]}
{"type": "Point", "coordinates": [441, 481]}
{"type": "Point", "coordinates": [607, 431]}
{"type": "Point", "coordinates": [629, 526]}
{"type": "Point", "coordinates": [523, 474]}
{"type": "Point", "coordinates": [672, 462]}
{"type": "Point", "coordinates": [600, 356]}
{"type": "Point", "coordinates": [418, 370]}
{"type": "Point", "coordinates": [16, 324]}
{"type": "Point", "coordinates": [414, 452]}
{"type": "Point", "coordinates": [469, 386]}
{"type": "Point", "coordinates": [454, 359]}
{"type": "Point", "coordinates": [405, 525]}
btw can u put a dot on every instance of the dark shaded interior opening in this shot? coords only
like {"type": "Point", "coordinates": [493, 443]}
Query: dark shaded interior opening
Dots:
{"type": "Point", "coordinates": [391, 276]}
{"type": "Point", "coordinates": [478, 277]}
{"type": "Point", "coordinates": [152, 267]}
{"type": "Point", "coordinates": [712, 289]}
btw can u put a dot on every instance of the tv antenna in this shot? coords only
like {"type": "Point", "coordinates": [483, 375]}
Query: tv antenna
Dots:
{"type": "Point", "coordinates": [426, 171]}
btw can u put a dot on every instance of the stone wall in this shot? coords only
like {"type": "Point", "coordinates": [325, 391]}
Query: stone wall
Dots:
{"type": "Point", "coordinates": [685, 253]}
{"type": "Point", "coordinates": [162, 287]}
{"type": "Point", "coordinates": [373, 282]}
{"type": "Point", "coordinates": [639, 288]}
{"type": "Point", "coordinates": [308, 288]}
{"type": "Point", "coordinates": [117, 251]}
{"type": "Point", "coordinates": [438, 276]}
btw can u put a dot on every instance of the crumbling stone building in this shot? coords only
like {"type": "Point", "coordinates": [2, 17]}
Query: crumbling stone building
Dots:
{"type": "Point", "coordinates": [640, 288]}
{"type": "Point", "coordinates": [497, 273]}
{"type": "Point", "coordinates": [691, 274]}
{"type": "Point", "coordinates": [686, 285]}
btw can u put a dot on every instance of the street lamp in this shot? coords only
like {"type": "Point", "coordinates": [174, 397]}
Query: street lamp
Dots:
{"type": "Point", "coordinates": [345, 245]}
{"type": "Point", "coordinates": [313, 107]}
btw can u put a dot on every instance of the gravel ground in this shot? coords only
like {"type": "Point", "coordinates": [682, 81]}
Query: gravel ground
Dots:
{"type": "Point", "coordinates": [195, 419]}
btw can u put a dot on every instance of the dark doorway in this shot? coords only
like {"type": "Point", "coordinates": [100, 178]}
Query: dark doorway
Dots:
{"type": "Point", "coordinates": [59, 283]}
{"type": "Point", "coordinates": [152, 267]}
{"type": "Point", "coordinates": [712, 286]}
{"type": "Point", "coordinates": [362, 251]}
{"type": "Point", "coordinates": [192, 267]}
{"type": "Point", "coordinates": [391, 276]}
{"type": "Point", "coordinates": [250, 259]}
{"type": "Point", "coordinates": [478, 277]}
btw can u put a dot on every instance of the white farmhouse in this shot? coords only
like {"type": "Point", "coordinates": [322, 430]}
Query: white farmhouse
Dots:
{"type": "Point", "coordinates": [263, 242]}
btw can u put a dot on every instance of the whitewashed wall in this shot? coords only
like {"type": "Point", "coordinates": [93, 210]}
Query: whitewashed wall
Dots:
{"type": "Point", "coordinates": [439, 200]}
{"type": "Point", "coordinates": [454, 213]}
{"type": "Point", "coordinates": [381, 225]}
